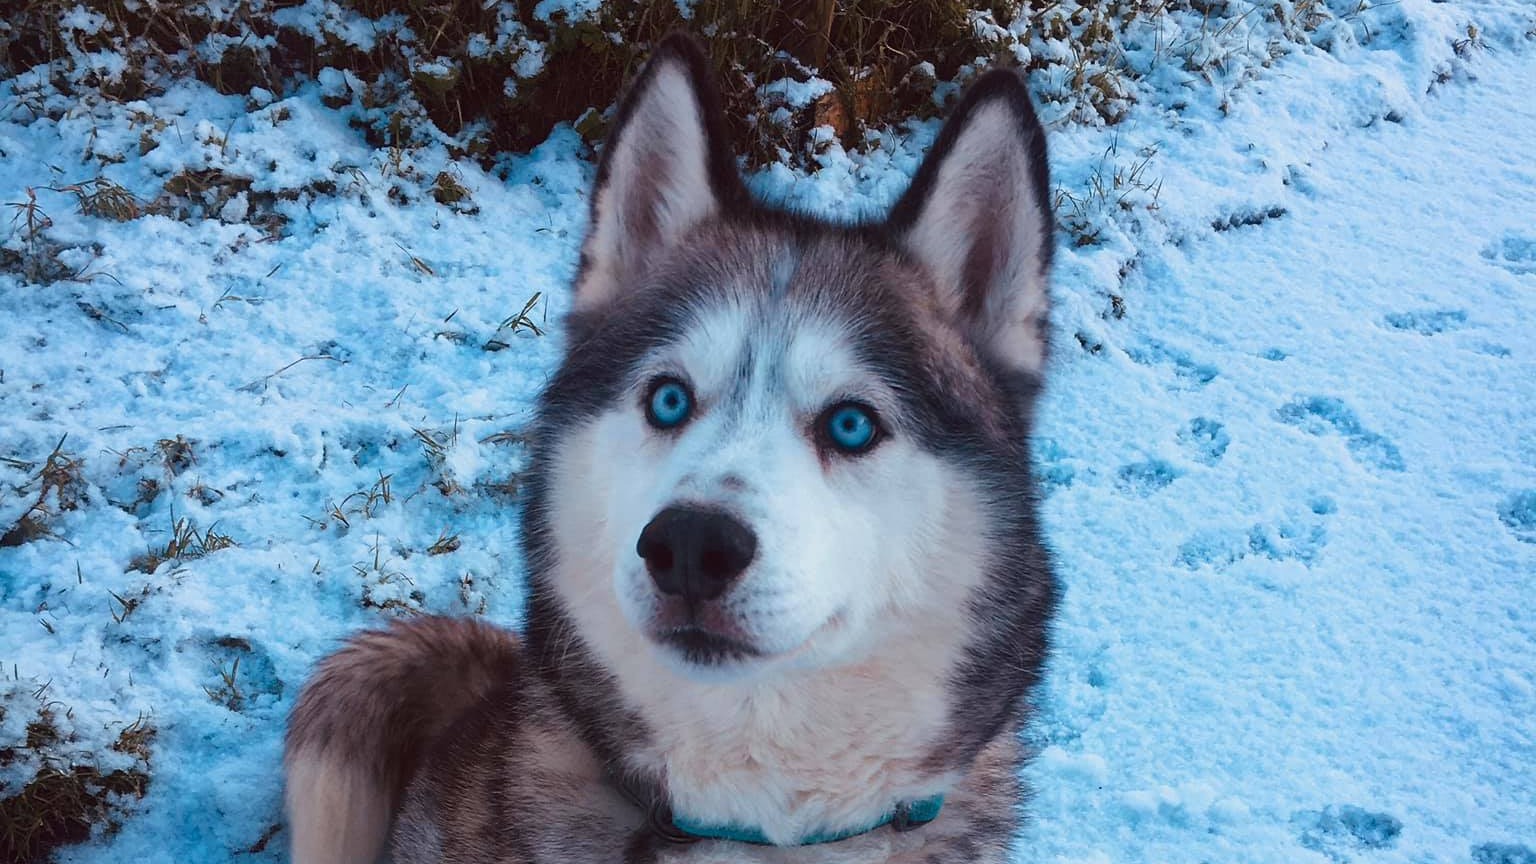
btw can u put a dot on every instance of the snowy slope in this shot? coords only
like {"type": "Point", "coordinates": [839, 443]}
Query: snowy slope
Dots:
{"type": "Point", "coordinates": [1289, 443]}
{"type": "Point", "coordinates": [1298, 519]}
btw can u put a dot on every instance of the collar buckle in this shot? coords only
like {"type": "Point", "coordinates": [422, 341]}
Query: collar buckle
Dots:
{"type": "Point", "coordinates": [907, 818]}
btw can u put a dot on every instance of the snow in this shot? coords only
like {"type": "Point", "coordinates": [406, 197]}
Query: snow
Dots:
{"type": "Point", "coordinates": [1295, 613]}
{"type": "Point", "coordinates": [1289, 442]}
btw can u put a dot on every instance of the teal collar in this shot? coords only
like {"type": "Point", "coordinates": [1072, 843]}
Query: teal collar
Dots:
{"type": "Point", "coordinates": [903, 817]}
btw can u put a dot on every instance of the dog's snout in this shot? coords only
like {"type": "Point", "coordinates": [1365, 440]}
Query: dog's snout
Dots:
{"type": "Point", "coordinates": [695, 554]}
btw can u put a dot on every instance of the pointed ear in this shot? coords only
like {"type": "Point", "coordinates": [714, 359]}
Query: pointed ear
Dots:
{"type": "Point", "coordinates": [978, 216]}
{"type": "Point", "coordinates": [666, 167]}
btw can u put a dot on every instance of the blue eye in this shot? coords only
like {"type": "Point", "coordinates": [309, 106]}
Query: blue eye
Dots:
{"type": "Point", "coordinates": [851, 427]}
{"type": "Point", "coordinates": [669, 405]}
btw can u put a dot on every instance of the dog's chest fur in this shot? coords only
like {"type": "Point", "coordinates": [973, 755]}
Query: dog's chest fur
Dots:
{"type": "Point", "coordinates": [818, 750]}
{"type": "Point", "coordinates": [530, 791]}
{"type": "Point", "coordinates": [832, 754]}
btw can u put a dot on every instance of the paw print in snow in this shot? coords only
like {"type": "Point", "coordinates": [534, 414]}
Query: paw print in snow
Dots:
{"type": "Point", "coordinates": [1321, 415]}
{"type": "Point", "coordinates": [1205, 440]}
{"type": "Point", "coordinates": [1518, 513]}
{"type": "Point", "coordinates": [1144, 478]}
{"type": "Point", "coordinates": [1188, 374]}
{"type": "Point", "coordinates": [1502, 853]}
{"type": "Point", "coordinates": [1427, 322]}
{"type": "Point", "coordinates": [1339, 830]}
{"type": "Point", "coordinates": [1514, 252]}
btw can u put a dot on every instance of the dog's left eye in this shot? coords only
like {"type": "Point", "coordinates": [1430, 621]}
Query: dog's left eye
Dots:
{"type": "Point", "coordinates": [850, 428]}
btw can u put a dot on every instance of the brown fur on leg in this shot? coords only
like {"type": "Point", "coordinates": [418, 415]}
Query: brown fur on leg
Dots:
{"type": "Point", "coordinates": [365, 717]}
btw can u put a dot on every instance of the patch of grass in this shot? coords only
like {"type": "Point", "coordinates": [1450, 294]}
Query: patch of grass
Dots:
{"type": "Point", "coordinates": [136, 739]}
{"type": "Point", "coordinates": [508, 485]}
{"type": "Point", "coordinates": [199, 193]}
{"type": "Point", "coordinates": [364, 503]}
{"type": "Point", "coordinates": [444, 544]}
{"type": "Point", "coordinates": [435, 446]}
{"type": "Point", "coordinates": [470, 597]}
{"type": "Point", "coordinates": [484, 79]}
{"type": "Point", "coordinates": [175, 454]}
{"type": "Point", "coordinates": [104, 199]}
{"type": "Point", "coordinates": [1472, 44]}
{"type": "Point", "coordinates": [450, 192]}
{"type": "Point", "coordinates": [37, 259]}
{"type": "Point", "coordinates": [59, 486]}
{"type": "Point", "coordinates": [186, 543]}
{"type": "Point", "coordinates": [1114, 187]}
{"type": "Point", "coordinates": [125, 605]}
{"type": "Point", "coordinates": [59, 806]}
{"type": "Point", "coordinates": [227, 692]}
{"type": "Point", "coordinates": [70, 794]}
{"type": "Point", "coordinates": [522, 322]}
{"type": "Point", "coordinates": [386, 588]}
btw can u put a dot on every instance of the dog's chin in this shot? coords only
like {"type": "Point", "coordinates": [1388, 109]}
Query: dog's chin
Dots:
{"type": "Point", "coordinates": [706, 655]}
{"type": "Point", "coordinates": [701, 654]}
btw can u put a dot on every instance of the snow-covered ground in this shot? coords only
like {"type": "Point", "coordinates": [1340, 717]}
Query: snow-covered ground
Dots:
{"type": "Point", "coordinates": [1289, 444]}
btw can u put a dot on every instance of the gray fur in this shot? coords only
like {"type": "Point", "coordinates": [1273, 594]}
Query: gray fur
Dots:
{"type": "Point", "coordinates": [479, 749]}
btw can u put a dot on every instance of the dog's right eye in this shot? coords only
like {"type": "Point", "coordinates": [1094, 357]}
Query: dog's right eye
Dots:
{"type": "Point", "coordinates": [668, 404]}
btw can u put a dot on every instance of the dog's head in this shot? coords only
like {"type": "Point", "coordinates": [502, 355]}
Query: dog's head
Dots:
{"type": "Point", "coordinates": [773, 439]}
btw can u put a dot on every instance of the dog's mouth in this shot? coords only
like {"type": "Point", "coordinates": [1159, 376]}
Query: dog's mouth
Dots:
{"type": "Point", "coordinates": [700, 647]}
{"type": "Point", "coordinates": [703, 646]}
{"type": "Point", "coordinates": [701, 634]}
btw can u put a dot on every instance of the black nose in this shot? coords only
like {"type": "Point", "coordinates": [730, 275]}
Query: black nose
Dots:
{"type": "Point", "coordinates": [695, 553]}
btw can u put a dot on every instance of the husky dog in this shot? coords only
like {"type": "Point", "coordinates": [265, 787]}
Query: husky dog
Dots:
{"type": "Point", "coordinates": [788, 595]}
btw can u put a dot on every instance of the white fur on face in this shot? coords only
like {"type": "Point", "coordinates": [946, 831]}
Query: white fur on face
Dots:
{"type": "Point", "coordinates": [858, 592]}
{"type": "Point", "coordinates": [833, 531]}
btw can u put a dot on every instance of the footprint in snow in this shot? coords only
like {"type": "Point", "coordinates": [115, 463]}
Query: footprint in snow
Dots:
{"type": "Point", "coordinates": [1294, 537]}
{"type": "Point", "coordinates": [1514, 252]}
{"type": "Point", "coordinates": [1322, 415]}
{"type": "Point", "coordinates": [236, 673]}
{"type": "Point", "coordinates": [1427, 322]}
{"type": "Point", "coordinates": [1205, 440]}
{"type": "Point", "coordinates": [1502, 853]}
{"type": "Point", "coordinates": [1341, 829]}
{"type": "Point", "coordinates": [1187, 373]}
{"type": "Point", "coordinates": [1144, 478]}
{"type": "Point", "coordinates": [1518, 513]}
{"type": "Point", "coordinates": [1053, 467]}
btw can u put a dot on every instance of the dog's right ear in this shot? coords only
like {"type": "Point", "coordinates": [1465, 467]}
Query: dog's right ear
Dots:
{"type": "Point", "coordinates": [666, 166]}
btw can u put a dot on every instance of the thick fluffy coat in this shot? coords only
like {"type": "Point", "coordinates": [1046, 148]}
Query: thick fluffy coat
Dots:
{"type": "Point", "coordinates": [782, 542]}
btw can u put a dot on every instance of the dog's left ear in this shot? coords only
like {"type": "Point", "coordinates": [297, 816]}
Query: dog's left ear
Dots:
{"type": "Point", "coordinates": [667, 166]}
{"type": "Point", "coordinates": [978, 216]}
